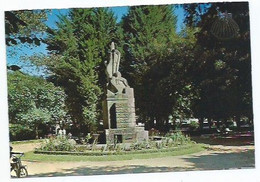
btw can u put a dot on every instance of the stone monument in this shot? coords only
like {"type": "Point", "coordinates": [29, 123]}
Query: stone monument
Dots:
{"type": "Point", "coordinates": [119, 106]}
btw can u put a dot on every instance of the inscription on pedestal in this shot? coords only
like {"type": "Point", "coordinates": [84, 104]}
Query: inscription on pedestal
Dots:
{"type": "Point", "coordinates": [125, 115]}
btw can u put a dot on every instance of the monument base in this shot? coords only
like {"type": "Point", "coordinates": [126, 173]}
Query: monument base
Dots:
{"type": "Point", "coordinates": [126, 135]}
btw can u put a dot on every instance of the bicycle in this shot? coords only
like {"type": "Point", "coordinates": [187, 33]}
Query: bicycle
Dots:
{"type": "Point", "coordinates": [17, 166]}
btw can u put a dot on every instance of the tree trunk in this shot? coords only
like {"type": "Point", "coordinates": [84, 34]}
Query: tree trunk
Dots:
{"type": "Point", "coordinates": [151, 123]}
{"type": "Point", "coordinates": [218, 124]}
{"type": "Point", "coordinates": [210, 123]}
{"type": "Point", "coordinates": [167, 127]}
{"type": "Point", "coordinates": [201, 123]}
{"type": "Point", "coordinates": [173, 124]}
{"type": "Point", "coordinates": [238, 123]}
{"type": "Point", "coordinates": [36, 132]}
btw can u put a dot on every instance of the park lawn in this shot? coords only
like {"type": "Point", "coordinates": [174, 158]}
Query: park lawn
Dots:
{"type": "Point", "coordinates": [182, 150]}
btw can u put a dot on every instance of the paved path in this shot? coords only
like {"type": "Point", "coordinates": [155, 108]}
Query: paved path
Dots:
{"type": "Point", "coordinates": [217, 157]}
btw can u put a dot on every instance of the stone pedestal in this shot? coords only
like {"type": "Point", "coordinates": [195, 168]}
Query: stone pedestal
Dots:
{"type": "Point", "coordinates": [119, 118]}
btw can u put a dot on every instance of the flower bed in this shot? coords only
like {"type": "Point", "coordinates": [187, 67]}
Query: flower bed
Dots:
{"type": "Point", "coordinates": [100, 153]}
{"type": "Point", "coordinates": [65, 146]}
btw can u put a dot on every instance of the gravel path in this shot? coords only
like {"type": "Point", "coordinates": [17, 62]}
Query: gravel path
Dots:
{"type": "Point", "coordinates": [217, 157]}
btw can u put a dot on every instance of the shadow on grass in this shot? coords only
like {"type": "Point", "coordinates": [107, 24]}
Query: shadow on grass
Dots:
{"type": "Point", "coordinates": [85, 171]}
{"type": "Point", "coordinates": [218, 161]}
{"type": "Point", "coordinates": [215, 161]}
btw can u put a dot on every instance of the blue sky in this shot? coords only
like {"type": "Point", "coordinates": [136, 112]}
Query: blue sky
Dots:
{"type": "Point", "coordinates": [52, 18]}
{"type": "Point", "coordinates": [119, 13]}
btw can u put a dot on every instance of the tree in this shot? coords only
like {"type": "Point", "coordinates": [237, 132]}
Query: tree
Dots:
{"type": "Point", "coordinates": [149, 40]}
{"type": "Point", "coordinates": [147, 31]}
{"type": "Point", "coordinates": [24, 26]}
{"type": "Point", "coordinates": [76, 61]}
{"type": "Point", "coordinates": [175, 91]}
{"type": "Point", "coordinates": [33, 101]}
{"type": "Point", "coordinates": [24, 29]}
{"type": "Point", "coordinates": [222, 65]}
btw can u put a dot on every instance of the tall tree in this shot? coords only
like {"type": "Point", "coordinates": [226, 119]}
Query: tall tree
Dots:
{"type": "Point", "coordinates": [77, 54]}
{"type": "Point", "coordinates": [223, 65]}
{"type": "Point", "coordinates": [148, 30]}
{"type": "Point", "coordinates": [179, 91]}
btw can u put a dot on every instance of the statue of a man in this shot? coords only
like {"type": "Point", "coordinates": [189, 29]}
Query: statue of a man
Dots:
{"type": "Point", "coordinates": [113, 65]}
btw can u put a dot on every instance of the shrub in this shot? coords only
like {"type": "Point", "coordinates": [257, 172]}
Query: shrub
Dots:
{"type": "Point", "coordinates": [179, 138]}
{"type": "Point", "coordinates": [82, 148]}
{"type": "Point", "coordinates": [20, 132]}
{"type": "Point", "coordinates": [139, 145]}
{"type": "Point", "coordinates": [153, 132]}
{"type": "Point", "coordinates": [58, 144]}
{"type": "Point", "coordinates": [136, 145]}
{"type": "Point", "coordinates": [194, 125]}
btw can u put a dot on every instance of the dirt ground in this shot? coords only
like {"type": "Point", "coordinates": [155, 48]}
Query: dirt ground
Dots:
{"type": "Point", "coordinates": [226, 155]}
{"type": "Point", "coordinates": [25, 147]}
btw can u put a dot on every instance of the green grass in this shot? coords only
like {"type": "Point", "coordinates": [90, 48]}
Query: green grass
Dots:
{"type": "Point", "coordinates": [182, 150]}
